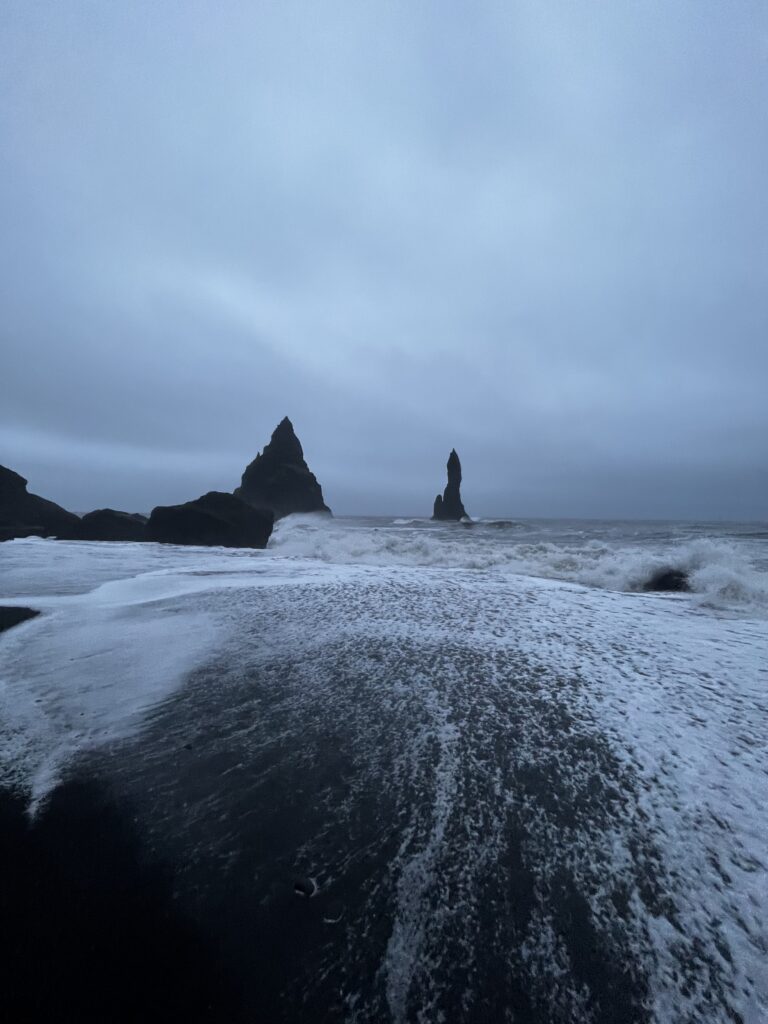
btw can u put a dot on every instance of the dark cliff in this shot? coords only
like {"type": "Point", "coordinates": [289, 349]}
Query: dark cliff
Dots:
{"type": "Point", "coordinates": [26, 515]}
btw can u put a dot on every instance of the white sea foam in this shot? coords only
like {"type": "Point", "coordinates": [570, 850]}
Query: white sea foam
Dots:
{"type": "Point", "coordinates": [88, 670]}
{"type": "Point", "coordinates": [722, 572]}
{"type": "Point", "coordinates": [718, 571]}
{"type": "Point", "coordinates": [86, 673]}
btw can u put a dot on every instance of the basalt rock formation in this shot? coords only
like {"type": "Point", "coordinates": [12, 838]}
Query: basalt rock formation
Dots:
{"type": "Point", "coordinates": [108, 524]}
{"type": "Point", "coordinates": [279, 480]}
{"type": "Point", "coordinates": [12, 616]}
{"type": "Point", "coordinates": [450, 506]}
{"type": "Point", "coordinates": [26, 515]}
{"type": "Point", "coordinates": [213, 519]}
{"type": "Point", "coordinates": [671, 580]}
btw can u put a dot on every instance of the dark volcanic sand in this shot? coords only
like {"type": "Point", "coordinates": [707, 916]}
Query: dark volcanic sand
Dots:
{"type": "Point", "coordinates": [382, 795]}
{"type": "Point", "coordinates": [92, 931]}
{"type": "Point", "coordinates": [479, 849]}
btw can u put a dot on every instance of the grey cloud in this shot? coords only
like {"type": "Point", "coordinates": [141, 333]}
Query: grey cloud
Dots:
{"type": "Point", "coordinates": [535, 232]}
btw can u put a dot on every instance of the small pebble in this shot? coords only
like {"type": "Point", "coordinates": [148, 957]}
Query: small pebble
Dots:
{"type": "Point", "coordinates": [333, 913]}
{"type": "Point", "coordinates": [306, 887]}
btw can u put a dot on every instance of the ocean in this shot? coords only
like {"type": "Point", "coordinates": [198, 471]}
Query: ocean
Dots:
{"type": "Point", "coordinates": [401, 771]}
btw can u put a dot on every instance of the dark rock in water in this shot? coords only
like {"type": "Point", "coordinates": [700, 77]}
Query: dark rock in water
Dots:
{"type": "Point", "coordinates": [13, 616]}
{"type": "Point", "coordinates": [214, 519]}
{"type": "Point", "coordinates": [27, 515]}
{"type": "Point", "coordinates": [449, 506]}
{"type": "Point", "coordinates": [108, 524]}
{"type": "Point", "coordinates": [674, 580]}
{"type": "Point", "coordinates": [279, 479]}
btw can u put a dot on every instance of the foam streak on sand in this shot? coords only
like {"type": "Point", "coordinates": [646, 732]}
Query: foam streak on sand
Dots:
{"type": "Point", "coordinates": [416, 870]}
{"type": "Point", "coordinates": [95, 663]}
{"type": "Point", "coordinates": [85, 675]}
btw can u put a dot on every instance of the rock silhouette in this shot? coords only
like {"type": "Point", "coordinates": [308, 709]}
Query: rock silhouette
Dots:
{"type": "Point", "coordinates": [108, 524]}
{"type": "Point", "coordinates": [26, 515]}
{"type": "Point", "coordinates": [279, 479]}
{"type": "Point", "coordinates": [215, 518]}
{"type": "Point", "coordinates": [449, 506]}
{"type": "Point", "coordinates": [12, 616]}
{"type": "Point", "coordinates": [672, 580]}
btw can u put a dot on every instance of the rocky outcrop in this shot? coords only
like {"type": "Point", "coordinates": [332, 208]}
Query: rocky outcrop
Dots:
{"type": "Point", "coordinates": [669, 580]}
{"type": "Point", "coordinates": [279, 480]}
{"type": "Point", "coordinates": [26, 515]}
{"type": "Point", "coordinates": [449, 506]}
{"type": "Point", "coordinates": [12, 616]}
{"type": "Point", "coordinates": [109, 524]}
{"type": "Point", "coordinates": [214, 519]}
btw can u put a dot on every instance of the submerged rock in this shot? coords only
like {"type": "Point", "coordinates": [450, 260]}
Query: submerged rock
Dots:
{"type": "Point", "coordinates": [450, 506]}
{"type": "Point", "coordinates": [12, 616]}
{"type": "Point", "coordinates": [279, 479]}
{"type": "Point", "coordinates": [26, 515]}
{"type": "Point", "coordinates": [109, 524]}
{"type": "Point", "coordinates": [673, 580]}
{"type": "Point", "coordinates": [214, 519]}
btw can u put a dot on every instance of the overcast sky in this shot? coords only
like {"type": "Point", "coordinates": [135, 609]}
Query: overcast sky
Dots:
{"type": "Point", "coordinates": [535, 231]}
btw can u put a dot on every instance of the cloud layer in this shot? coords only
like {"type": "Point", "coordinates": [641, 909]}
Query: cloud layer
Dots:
{"type": "Point", "coordinates": [536, 232]}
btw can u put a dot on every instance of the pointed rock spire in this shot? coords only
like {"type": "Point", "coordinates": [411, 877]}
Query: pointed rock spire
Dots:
{"type": "Point", "coordinates": [279, 479]}
{"type": "Point", "coordinates": [450, 506]}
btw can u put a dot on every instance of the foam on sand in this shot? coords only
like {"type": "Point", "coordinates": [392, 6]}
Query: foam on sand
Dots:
{"type": "Point", "coordinates": [504, 779]}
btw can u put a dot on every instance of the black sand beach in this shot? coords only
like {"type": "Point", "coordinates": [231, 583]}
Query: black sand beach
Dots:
{"type": "Point", "coordinates": [272, 787]}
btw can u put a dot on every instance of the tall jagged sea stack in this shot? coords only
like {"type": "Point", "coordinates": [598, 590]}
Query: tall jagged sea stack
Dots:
{"type": "Point", "coordinates": [449, 506]}
{"type": "Point", "coordinates": [279, 478]}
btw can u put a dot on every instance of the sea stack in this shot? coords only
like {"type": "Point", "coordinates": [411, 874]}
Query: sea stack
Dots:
{"type": "Point", "coordinates": [26, 515]}
{"type": "Point", "coordinates": [449, 506]}
{"type": "Point", "coordinates": [279, 480]}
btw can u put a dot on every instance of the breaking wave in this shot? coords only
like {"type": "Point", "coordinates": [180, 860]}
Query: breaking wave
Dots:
{"type": "Point", "coordinates": [722, 572]}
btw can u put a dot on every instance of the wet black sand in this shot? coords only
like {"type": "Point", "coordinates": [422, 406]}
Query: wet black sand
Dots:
{"type": "Point", "coordinates": [92, 931]}
{"type": "Point", "coordinates": [369, 803]}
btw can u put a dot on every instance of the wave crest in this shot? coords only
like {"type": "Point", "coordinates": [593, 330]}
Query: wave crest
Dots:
{"type": "Point", "coordinates": [720, 572]}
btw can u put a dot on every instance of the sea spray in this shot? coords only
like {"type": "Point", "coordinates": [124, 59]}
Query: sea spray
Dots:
{"type": "Point", "coordinates": [725, 571]}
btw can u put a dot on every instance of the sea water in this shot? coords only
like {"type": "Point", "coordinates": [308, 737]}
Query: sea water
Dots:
{"type": "Point", "coordinates": [519, 787]}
